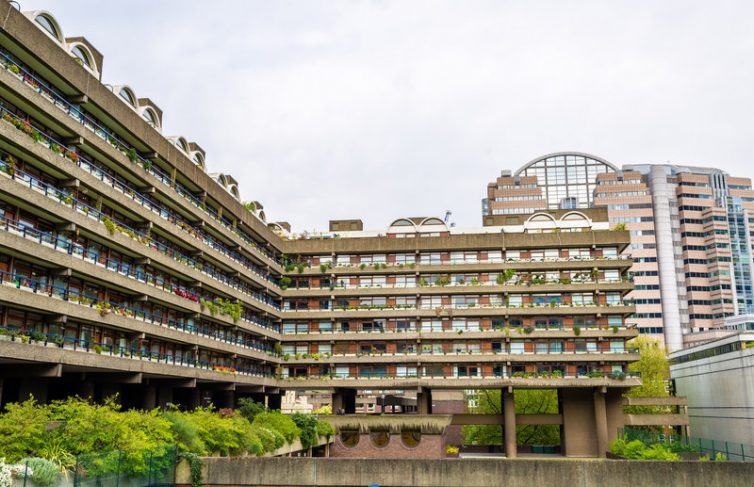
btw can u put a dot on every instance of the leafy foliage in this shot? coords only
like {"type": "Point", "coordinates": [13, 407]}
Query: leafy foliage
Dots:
{"type": "Point", "coordinates": [637, 450]}
{"type": "Point", "coordinates": [249, 409]}
{"type": "Point", "coordinates": [654, 368]}
{"type": "Point", "coordinates": [527, 401]}
{"type": "Point", "coordinates": [43, 472]}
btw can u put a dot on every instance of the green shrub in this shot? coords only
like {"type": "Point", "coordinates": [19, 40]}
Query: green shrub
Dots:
{"type": "Point", "coordinates": [308, 426]}
{"type": "Point", "coordinates": [325, 429]}
{"type": "Point", "coordinates": [43, 472]}
{"type": "Point", "coordinates": [248, 408]}
{"type": "Point", "coordinates": [280, 422]}
{"type": "Point", "coordinates": [22, 429]}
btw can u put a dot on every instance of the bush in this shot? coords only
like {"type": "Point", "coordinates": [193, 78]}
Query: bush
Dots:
{"type": "Point", "coordinates": [308, 426]}
{"type": "Point", "coordinates": [248, 408]}
{"type": "Point", "coordinates": [279, 422]}
{"type": "Point", "coordinates": [43, 472]}
{"type": "Point", "coordinates": [637, 450]}
{"type": "Point", "coordinates": [22, 429]}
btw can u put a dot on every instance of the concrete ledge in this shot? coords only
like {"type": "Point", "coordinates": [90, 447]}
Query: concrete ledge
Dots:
{"type": "Point", "coordinates": [293, 472]}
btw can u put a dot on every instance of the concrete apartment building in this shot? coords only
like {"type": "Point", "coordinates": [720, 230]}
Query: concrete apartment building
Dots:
{"type": "Point", "coordinates": [127, 268]}
{"type": "Point", "coordinates": [689, 226]}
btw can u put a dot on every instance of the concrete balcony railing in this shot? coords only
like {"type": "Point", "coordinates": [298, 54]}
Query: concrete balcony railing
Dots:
{"type": "Point", "coordinates": [484, 310]}
{"type": "Point", "coordinates": [89, 358]}
{"type": "Point", "coordinates": [618, 262]}
{"type": "Point", "coordinates": [625, 285]}
{"type": "Point", "coordinates": [603, 333]}
{"type": "Point", "coordinates": [464, 357]}
{"type": "Point", "coordinates": [371, 383]}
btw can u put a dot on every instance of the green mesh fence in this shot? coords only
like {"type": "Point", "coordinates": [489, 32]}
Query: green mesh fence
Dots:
{"type": "Point", "coordinates": [734, 452]}
{"type": "Point", "coordinates": [133, 468]}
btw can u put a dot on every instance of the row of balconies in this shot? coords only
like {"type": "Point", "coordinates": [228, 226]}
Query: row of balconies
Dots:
{"type": "Point", "coordinates": [77, 113]}
{"type": "Point", "coordinates": [61, 196]}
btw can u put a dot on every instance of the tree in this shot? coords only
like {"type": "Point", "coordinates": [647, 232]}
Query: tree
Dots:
{"type": "Point", "coordinates": [527, 401]}
{"type": "Point", "coordinates": [654, 368]}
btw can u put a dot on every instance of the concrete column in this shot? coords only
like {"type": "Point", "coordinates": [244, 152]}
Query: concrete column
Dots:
{"type": "Point", "coordinates": [424, 401]}
{"type": "Point", "coordinates": [108, 390]}
{"type": "Point", "coordinates": [344, 399]}
{"type": "Point", "coordinates": [600, 420]}
{"type": "Point", "coordinates": [85, 389]}
{"type": "Point", "coordinates": [509, 416]}
{"type": "Point", "coordinates": [225, 399]}
{"type": "Point", "coordinates": [149, 398]}
{"type": "Point", "coordinates": [164, 396]}
{"type": "Point", "coordinates": [274, 401]}
{"type": "Point", "coordinates": [195, 397]}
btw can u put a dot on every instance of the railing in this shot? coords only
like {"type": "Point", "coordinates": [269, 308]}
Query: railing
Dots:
{"type": "Point", "coordinates": [61, 196]}
{"type": "Point", "coordinates": [128, 191]}
{"type": "Point", "coordinates": [79, 114]}
{"type": "Point", "coordinates": [412, 265]}
{"type": "Point", "coordinates": [99, 348]}
{"type": "Point", "coordinates": [428, 284]}
{"type": "Point", "coordinates": [479, 375]}
{"type": "Point", "coordinates": [445, 307]}
{"type": "Point", "coordinates": [39, 286]}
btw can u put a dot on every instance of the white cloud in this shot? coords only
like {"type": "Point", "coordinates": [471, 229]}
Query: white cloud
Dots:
{"type": "Point", "coordinates": [325, 109]}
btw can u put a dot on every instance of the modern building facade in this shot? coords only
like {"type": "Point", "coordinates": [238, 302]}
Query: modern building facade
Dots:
{"type": "Point", "coordinates": [127, 268]}
{"type": "Point", "coordinates": [690, 237]}
{"type": "Point", "coordinates": [717, 377]}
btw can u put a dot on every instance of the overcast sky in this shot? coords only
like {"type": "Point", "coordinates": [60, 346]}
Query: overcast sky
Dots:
{"type": "Point", "coordinates": [378, 109]}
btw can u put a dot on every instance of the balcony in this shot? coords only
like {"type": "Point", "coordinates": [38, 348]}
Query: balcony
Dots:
{"type": "Point", "coordinates": [80, 115]}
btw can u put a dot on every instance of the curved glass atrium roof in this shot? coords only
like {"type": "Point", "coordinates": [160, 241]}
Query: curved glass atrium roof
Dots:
{"type": "Point", "coordinates": [567, 179]}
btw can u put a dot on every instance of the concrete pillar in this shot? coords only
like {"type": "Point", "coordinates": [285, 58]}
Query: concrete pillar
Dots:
{"type": "Point", "coordinates": [509, 426]}
{"type": "Point", "coordinates": [344, 399]}
{"type": "Point", "coordinates": [149, 397]}
{"type": "Point", "coordinates": [600, 421]}
{"type": "Point", "coordinates": [110, 390]}
{"type": "Point", "coordinates": [225, 399]}
{"type": "Point", "coordinates": [424, 401]}
{"type": "Point", "coordinates": [85, 389]}
{"type": "Point", "coordinates": [579, 432]}
{"type": "Point", "coordinates": [274, 401]}
{"type": "Point", "coordinates": [195, 397]}
{"type": "Point", "coordinates": [164, 396]}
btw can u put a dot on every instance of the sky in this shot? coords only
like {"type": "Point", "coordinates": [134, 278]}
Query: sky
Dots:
{"type": "Point", "coordinates": [384, 109]}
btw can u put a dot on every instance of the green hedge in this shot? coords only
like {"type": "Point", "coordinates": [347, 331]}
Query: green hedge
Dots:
{"type": "Point", "coordinates": [64, 430]}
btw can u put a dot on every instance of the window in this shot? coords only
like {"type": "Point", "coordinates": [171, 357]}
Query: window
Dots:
{"type": "Point", "coordinates": [81, 54]}
{"type": "Point", "coordinates": [48, 25]}
{"type": "Point", "coordinates": [127, 96]}
{"type": "Point", "coordinates": [151, 119]}
{"type": "Point", "coordinates": [517, 346]}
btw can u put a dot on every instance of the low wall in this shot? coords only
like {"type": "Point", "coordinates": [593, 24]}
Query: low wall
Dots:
{"type": "Point", "coordinates": [342, 472]}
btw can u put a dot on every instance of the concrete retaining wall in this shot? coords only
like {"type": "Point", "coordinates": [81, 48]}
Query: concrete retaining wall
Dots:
{"type": "Point", "coordinates": [293, 472]}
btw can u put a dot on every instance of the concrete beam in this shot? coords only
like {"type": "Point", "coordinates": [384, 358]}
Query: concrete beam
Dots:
{"type": "Point", "coordinates": [31, 370]}
{"type": "Point", "coordinates": [116, 377]}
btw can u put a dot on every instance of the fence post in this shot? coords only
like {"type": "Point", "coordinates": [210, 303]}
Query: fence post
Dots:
{"type": "Point", "coordinates": [117, 472]}
{"type": "Point", "coordinates": [743, 453]}
{"type": "Point", "coordinates": [149, 478]}
{"type": "Point", "coordinates": [727, 454]}
{"type": "Point", "coordinates": [26, 472]}
{"type": "Point", "coordinates": [714, 452]}
{"type": "Point", "coordinates": [76, 473]}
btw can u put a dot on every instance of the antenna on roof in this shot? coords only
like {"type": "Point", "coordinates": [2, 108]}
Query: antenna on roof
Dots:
{"type": "Point", "coordinates": [447, 216]}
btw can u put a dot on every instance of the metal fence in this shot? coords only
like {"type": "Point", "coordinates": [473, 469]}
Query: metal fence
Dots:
{"type": "Point", "coordinates": [132, 468]}
{"type": "Point", "coordinates": [734, 452]}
